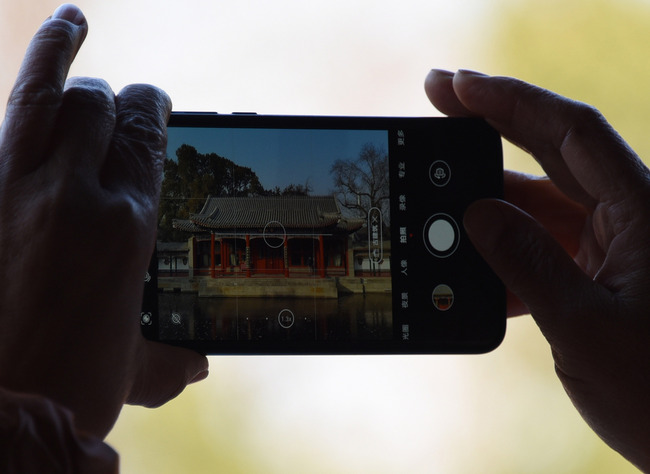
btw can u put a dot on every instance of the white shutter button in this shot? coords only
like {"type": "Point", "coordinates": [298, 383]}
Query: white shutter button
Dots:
{"type": "Point", "coordinates": [441, 235]}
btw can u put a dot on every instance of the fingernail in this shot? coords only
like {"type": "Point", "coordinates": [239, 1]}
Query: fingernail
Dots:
{"type": "Point", "coordinates": [441, 72]}
{"type": "Point", "coordinates": [71, 13]}
{"type": "Point", "coordinates": [469, 72]}
{"type": "Point", "coordinates": [436, 76]}
{"type": "Point", "coordinates": [466, 74]}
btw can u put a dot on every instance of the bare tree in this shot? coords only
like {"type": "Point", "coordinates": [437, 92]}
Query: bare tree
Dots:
{"type": "Point", "coordinates": [362, 184]}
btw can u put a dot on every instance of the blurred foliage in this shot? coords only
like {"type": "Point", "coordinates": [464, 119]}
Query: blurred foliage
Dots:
{"type": "Point", "coordinates": [594, 51]}
{"type": "Point", "coordinates": [203, 431]}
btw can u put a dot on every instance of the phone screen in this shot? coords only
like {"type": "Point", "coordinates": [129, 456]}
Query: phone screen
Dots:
{"type": "Point", "coordinates": [323, 235]}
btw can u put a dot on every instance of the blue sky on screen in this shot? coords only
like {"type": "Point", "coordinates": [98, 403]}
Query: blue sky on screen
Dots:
{"type": "Point", "coordinates": [280, 157]}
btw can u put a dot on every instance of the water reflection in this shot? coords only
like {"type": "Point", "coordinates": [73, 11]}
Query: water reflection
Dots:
{"type": "Point", "coordinates": [185, 316]}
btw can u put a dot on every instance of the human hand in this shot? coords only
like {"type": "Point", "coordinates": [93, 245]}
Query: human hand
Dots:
{"type": "Point", "coordinates": [588, 290]}
{"type": "Point", "coordinates": [80, 172]}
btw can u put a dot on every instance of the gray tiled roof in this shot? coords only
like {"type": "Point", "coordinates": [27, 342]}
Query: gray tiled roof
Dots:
{"type": "Point", "coordinates": [171, 247]}
{"type": "Point", "coordinates": [293, 212]}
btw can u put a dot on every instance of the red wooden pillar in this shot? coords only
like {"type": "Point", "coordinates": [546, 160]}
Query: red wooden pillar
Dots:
{"type": "Point", "coordinates": [321, 256]}
{"type": "Point", "coordinates": [285, 257]}
{"type": "Point", "coordinates": [212, 263]}
{"type": "Point", "coordinates": [248, 256]}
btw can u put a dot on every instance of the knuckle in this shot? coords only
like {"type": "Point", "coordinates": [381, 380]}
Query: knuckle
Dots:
{"type": "Point", "coordinates": [146, 103]}
{"type": "Point", "coordinates": [84, 89]}
{"type": "Point", "coordinates": [586, 115]}
{"type": "Point", "coordinates": [583, 121]}
{"type": "Point", "coordinates": [85, 95]}
{"type": "Point", "coordinates": [34, 92]}
{"type": "Point", "coordinates": [141, 128]}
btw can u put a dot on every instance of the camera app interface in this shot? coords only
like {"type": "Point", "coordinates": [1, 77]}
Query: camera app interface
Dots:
{"type": "Point", "coordinates": [274, 235]}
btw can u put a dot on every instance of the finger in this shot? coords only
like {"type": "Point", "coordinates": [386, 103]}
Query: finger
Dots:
{"type": "Point", "coordinates": [439, 88]}
{"type": "Point", "coordinates": [563, 218]}
{"type": "Point", "coordinates": [164, 373]}
{"type": "Point", "coordinates": [139, 142]}
{"type": "Point", "coordinates": [572, 141]}
{"type": "Point", "coordinates": [84, 127]}
{"type": "Point", "coordinates": [35, 99]}
{"type": "Point", "coordinates": [535, 268]}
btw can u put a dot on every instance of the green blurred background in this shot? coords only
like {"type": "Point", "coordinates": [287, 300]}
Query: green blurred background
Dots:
{"type": "Point", "coordinates": [497, 413]}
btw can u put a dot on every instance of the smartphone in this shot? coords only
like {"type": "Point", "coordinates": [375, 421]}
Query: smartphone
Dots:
{"type": "Point", "coordinates": [324, 235]}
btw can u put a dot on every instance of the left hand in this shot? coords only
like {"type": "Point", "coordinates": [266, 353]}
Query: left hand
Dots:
{"type": "Point", "coordinates": [80, 172]}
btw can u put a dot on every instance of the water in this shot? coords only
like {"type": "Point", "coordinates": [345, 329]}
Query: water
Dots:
{"type": "Point", "coordinates": [185, 316]}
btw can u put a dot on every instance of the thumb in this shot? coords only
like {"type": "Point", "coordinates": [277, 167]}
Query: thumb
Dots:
{"type": "Point", "coordinates": [164, 372]}
{"type": "Point", "coordinates": [535, 267]}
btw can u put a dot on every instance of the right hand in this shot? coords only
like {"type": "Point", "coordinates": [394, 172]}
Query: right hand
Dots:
{"type": "Point", "coordinates": [589, 289]}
